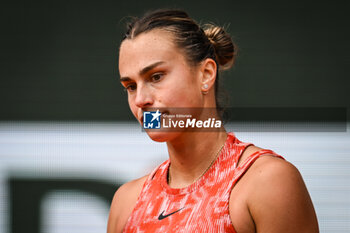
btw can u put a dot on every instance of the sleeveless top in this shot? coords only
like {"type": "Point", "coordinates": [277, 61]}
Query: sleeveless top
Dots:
{"type": "Point", "coordinates": [200, 207]}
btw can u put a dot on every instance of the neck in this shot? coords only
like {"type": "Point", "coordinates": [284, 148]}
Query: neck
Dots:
{"type": "Point", "coordinates": [191, 154]}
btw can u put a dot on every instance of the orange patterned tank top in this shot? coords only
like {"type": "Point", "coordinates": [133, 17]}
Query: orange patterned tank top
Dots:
{"type": "Point", "coordinates": [200, 207]}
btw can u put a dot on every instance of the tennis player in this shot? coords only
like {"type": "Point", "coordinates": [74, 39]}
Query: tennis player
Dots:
{"type": "Point", "coordinates": [212, 182]}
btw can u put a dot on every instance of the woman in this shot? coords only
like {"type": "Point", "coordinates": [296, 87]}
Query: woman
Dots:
{"type": "Point", "coordinates": [212, 182]}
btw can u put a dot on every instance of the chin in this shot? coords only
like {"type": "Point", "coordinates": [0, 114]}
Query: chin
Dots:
{"type": "Point", "coordinates": [161, 136]}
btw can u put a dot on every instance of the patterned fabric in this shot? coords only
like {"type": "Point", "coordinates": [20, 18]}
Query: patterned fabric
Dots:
{"type": "Point", "coordinates": [200, 207]}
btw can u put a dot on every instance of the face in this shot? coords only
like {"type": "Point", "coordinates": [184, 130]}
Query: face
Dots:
{"type": "Point", "coordinates": [156, 74]}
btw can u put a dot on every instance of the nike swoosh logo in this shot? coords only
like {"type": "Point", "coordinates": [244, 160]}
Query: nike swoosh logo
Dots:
{"type": "Point", "coordinates": [161, 216]}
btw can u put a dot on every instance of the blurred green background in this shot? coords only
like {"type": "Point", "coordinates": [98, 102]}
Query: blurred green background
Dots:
{"type": "Point", "coordinates": [59, 58]}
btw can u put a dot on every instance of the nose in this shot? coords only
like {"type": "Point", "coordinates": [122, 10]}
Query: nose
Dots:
{"type": "Point", "coordinates": [144, 97]}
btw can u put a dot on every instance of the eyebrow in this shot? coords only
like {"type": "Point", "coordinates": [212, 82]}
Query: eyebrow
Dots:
{"type": "Point", "coordinates": [144, 70]}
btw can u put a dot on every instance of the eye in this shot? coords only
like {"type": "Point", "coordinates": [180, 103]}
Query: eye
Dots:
{"type": "Point", "coordinates": [130, 87]}
{"type": "Point", "coordinates": [156, 77]}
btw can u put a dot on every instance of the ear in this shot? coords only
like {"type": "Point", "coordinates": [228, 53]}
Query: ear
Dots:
{"type": "Point", "coordinates": [208, 69]}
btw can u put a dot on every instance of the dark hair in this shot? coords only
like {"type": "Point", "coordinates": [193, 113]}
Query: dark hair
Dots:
{"type": "Point", "coordinates": [196, 42]}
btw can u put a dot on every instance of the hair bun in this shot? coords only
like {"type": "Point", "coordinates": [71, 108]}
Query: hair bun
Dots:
{"type": "Point", "coordinates": [225, 50]}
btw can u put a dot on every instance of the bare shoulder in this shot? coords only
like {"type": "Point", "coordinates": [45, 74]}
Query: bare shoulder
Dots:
{"type": "Point", "coordinates": [123, 203]}
{"type": "Point", "coordinates": [275, 197]}
{"type": "Point", "coordinates": [281, 202]}
{"type": "Point", "coordinates": [268, 168]}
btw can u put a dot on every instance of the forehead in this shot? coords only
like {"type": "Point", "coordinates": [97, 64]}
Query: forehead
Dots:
{"type": "Point", "coordinates": [145, 49]}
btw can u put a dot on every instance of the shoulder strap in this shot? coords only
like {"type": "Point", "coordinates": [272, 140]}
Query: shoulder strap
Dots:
{"type": "Point", "coordinates": [159, 169]}
{"type": "Point", "coordinates": [239, 171]}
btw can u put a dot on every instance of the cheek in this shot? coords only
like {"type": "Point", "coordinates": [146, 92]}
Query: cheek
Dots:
{"type": "Point", "coordinates": [132, 106]}
{"type": "Point", "coordinates": [180, 96]}
{"type": "Point", "coordinates": [183, 92]}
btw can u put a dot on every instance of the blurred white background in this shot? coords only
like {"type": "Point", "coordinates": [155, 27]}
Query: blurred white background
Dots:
{"type": "Point", "coordinates": [119, 152]}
